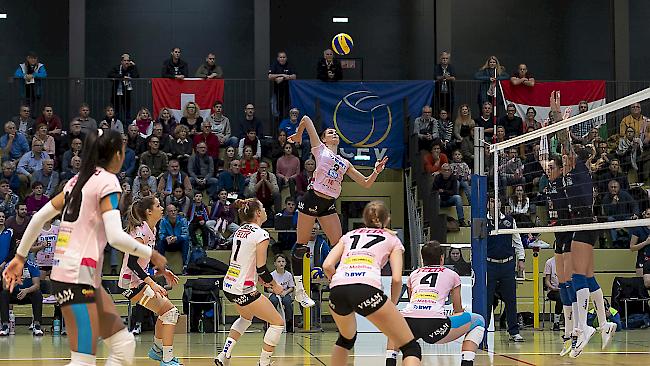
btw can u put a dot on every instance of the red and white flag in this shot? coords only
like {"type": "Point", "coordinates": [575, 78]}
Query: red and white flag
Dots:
{"type": "Point", "coordinates": [572, 92]}
{"type": "Point", "coordinates": [175, 94]}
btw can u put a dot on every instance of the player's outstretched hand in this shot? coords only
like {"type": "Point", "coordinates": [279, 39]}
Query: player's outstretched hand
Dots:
{"type": "Point", "coordinates": [13, 273]}
{"type": "Point", "coordinates": [380, 165]}
{"type": "Point", "coordinates": [158, 260]}
{"type": "Point", "coordinates": [295, 138]}
{"type": "Point", "coordinates": [170, 277]}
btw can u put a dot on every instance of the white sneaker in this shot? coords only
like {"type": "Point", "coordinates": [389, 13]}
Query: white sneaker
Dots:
{"type": "Point", "coordinates": [517, 338]}
{"type": "Point", "coordinates": [36, 330]}
{"type": "Point", "coordinates": [583, 338]}
{"type": "Point", "coordinates": [566, 347]}
{"type": "Point", "coordinates": [222, 360]}
{"type": "Point", "coordinates": [137, 329]}
{"type": "Point", "coordinates": [304, 300]}
{"type": "Point", "coordinates": [607, 332]}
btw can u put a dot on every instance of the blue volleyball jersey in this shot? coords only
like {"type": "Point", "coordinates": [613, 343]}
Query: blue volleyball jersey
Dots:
{"type": "Point", "coordinates": [556, 193]}
{"type": "Point", "coordinates": [580, 189]}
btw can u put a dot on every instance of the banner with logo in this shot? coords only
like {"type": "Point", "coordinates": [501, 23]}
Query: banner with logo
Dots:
{"type": "Point", "coordinates": [175, 94]}
{"type": "Point", "coordinates": [369, 116]}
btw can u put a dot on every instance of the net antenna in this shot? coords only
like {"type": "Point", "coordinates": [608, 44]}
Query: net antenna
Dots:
{"type": "Point", "coordinates": [499, 151]}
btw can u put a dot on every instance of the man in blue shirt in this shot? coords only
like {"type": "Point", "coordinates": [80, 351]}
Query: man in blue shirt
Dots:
{"type": "Point", "coordinates": [33, 160]}
{"type": "Point", "coordinates": [13, 144]}
{"type": "Point", "coordinates": [174, 235]}
{"type": "Point", "coordinates": [232, 180]}
{"type": "Point", "coordinates": [29, 292]}
{"type": "Point", "coordinates": [289, 125]}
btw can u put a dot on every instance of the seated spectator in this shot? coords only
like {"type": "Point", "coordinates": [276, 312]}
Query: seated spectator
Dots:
{"type": "Point", "coordinates": [209, 139]}
{"type": "Point", "coordinates": [231, 180]}
{"type": "Point", "coordinates": [530, 121]}
{"type": "Point", "coordinates": [26, 292]}
{"type": "Point", "coordinates": [197, 216]}
{"type": "Point", "coordinates": [287, 169]}
{"type": "Point", "coordinates": [174, 67]}
{"type": "Point", "coordinates": [13, 144]}
{"type": "Point", "coordinates": [446, 185]}
{"type": "Point", "coordinates": [165, 140]}
{"type": "Point", "coordinates": [143, 120]}
{"type": "Point", "coordinates": [179, 199]}
{"type": "Point", "coordinates": [145, 191]}
{"type": "Point", "coordinates": [522, 76]}
{"type": "Point", "coordinates": [48, 177]}
{"type": "Point", "coordinates": [551, 283]}
{"type": "Point", "coordinates": [249, 165]}
{"type": "Point", "coordinates": [167, 120]}
{"type": "Point", "coordinates": [249, 121]}
{"type": "Point", "coordinates": [289, 126]}
{"type": "Point", "coordinates": [486, 120]}
{"type": "Point", "coordinates": [18, 223]}
{"type": "Point", "coordinates": [274, 150]}
{"type": "Point", "coordinates": [462, 172]}
{"type": "Point", "coordinates": [144, 178]}
{"type": "Point", "coordinates": [75, 166]}
{"type": "Point", "coordinates": [285, 279]}
{"type": "Point", "coordinates": [173, 235]}
{"type": "Point", "coordinates": [264, 185]}
{"type": "Point", "coordinates": [434, 160]}
{"type": "Point", "coordinates": [580, 130]}
{"type": "Point", "coordinates": [37, 199]}
{"type": "Point", "coordinates": [222, 219]}
{"type": "Point", "coordinates": [426, 128]}
{"type": "Point", "coordinates": [463, 122]}
{"type": "Point", "coordinates": [220, 125]}
{"type": "Point", "coordinates": [280, 72]}
{"type": "Point", "coordinates": [180, 147]}
{"type": "Point", "coordinates": [155, 159]}
{"type": "Point", "coordinates": [287, 240]}
{"type": "Point", "coordinates": [173, 176]}
{"type": "Point", "coordinates": [32, 73]}
{"type": "Point", "coordinates": [32, 160]}
{"type": "Point", "coordinates": [629, 150]}
{"type": "Point", "coordinates": [201, 171]}
{"type": "Point", "coordinates": [87, 123]}
{"type": "Point", "coordinates": [192, 118]}
{"type": "Point", "coordinates": [73, 133]}
{"type": "Point", "coordinates": [455, 259]}
{"type": "Point", "coordinates": [511, 122]}
{"type": "Point", "coordinates": [639, 240]}
{"type": "Point", "coordinates": [446, 132]}
{"type": "Point", "coordinates": [500, 134]}
{"type": "Point", "coordinates": [520, 207]}
{"type": "Point", "coordinates": [329, 68]}
{"type": "Point", "coordinates": [636, 121]}
{"type": "Point", "coordinates": [53, 122]}
{"type": "Point", "coordinates": [75, 150]}
{"type": "Point", "coordinates": [128, 166]}
{"type": "Point", "coordinates": [228, 157]}
{"type": "Point", "coordinates": [24, 121]}
{"type": "Point", "coordinates": [305, 177]}
{"type": "Point", "coordinates": [533, 170]}
{"type": "Point", "coordinates": [209, 69]}
{"type": "Point", "coordinates": [7, 241]}
{"type": "Point", "coordinates": [48, 141]}
{"type": "Point", "coordinates": [136, 142]}
{"type": "Point", "coordinates": [110, 118]}
{"type": "Point", "coordinates": [511, 171]}
{"type": "Point", "coordinates": [14, 179]}
{"type": "Point", "coordinates": [618, 205]}
{"type": "Point", "coordinates": [613, 173]}
{"type": "Point", "coordinates": [467, 148]}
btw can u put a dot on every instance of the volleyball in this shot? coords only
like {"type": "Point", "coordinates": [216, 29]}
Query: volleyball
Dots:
{"type": "Point", "coordinates": [317, 273]}
{"type": "Point", "coordinates": [342, 44]}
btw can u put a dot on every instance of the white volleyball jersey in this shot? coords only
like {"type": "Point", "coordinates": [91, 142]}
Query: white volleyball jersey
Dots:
{"type": "Point", "coordinates": [241, 277]}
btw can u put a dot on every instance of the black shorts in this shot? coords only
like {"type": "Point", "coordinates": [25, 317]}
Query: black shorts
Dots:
{"type": "Point", "coordinates": [242, 300]}
{"type": "Point", "coordinates": [314, 205]}
{"type": "Point", "coordinates": [132, 292]}
{"type": "Point", "coordinates": [73, 293]}
{"type": "Point", "coordinates": [45, 268]}
{"type": "Point", "coordinates": [430, 330]}
{"type": "Point", "coordinates": [357, 298]}
{"type": "Point", "coordinates": [563, 242]}
{"type": "Point", "coordinates": [583, 217]}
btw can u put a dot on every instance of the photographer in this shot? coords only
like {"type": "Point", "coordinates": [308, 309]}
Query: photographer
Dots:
{"type": "Point", "coordinates": [122, 86]}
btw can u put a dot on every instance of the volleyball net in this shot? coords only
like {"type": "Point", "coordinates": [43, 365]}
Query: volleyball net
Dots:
{"type": "Point", "coordinates": [611, 143]}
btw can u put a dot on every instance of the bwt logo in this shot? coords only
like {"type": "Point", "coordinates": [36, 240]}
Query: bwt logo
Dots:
{"type": "Point", "coordinates": [421, 307]}
{"type": "Point", "coordinates": [376, 117]}
{"type": "Point", "coordinates": [355, 274]}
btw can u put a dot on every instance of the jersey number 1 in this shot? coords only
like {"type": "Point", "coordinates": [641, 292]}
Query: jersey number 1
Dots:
{"type": "Point", "coordinates": [237, 246]}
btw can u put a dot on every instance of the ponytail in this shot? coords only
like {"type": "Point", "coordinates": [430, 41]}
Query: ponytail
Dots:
{"type": "Point", "coordinates": [137, 212]}
{"type": "Point", "coordinates": [375, 215]}
{"type": "Point", "coordinates": [247, 208]}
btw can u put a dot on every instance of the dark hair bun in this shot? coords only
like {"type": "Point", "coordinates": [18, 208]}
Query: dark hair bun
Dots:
{"type": "Point", "coordinates": [239, 203]}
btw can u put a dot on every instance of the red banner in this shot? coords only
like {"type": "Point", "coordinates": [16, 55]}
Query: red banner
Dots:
{"type": "Point", "coordinates": [175, 94]}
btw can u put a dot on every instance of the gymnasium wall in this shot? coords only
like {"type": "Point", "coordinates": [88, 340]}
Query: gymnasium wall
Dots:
{"type": "Point", "coordinates": [639, 39]}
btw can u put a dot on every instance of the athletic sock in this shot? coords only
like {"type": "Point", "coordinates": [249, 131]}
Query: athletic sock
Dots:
{"type": "Point", "coordinates": [82, 359]}
{"type": "Point", "coordinates": [228, 345]}
{"type": "Point", "coordinates": [467, 355]}
{"type": "Point", "coordinates": [582, 299]}
{"type": "Point", "coordinates": [596, 295]}
{"type": "Point", "coordinates": [157, 342]}
{"type": "Point", "coordinates": [265, 358]}
{"type": "Point", "coordinates": [568, 320]}
{"type": "Point", "coordinates": [168, 353]}
{"type": "Point", "coordinates": [391, 357]}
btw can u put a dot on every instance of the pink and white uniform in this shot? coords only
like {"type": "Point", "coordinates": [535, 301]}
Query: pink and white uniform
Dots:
{"type": "Point", "coordinates": [330, 171]}
{"type": "Point", "coordinates": [241, 277]}
{"type": "Point", "coordinates": [366, 252]}
{"type": "Point", "coordinates": [45, 256]}
{"type": "Point", "coordinates": [430, 287]}
{"type": "Point", "coordinates": [79, 253]}
{"type": "Point", "coordinates": [128, 279]}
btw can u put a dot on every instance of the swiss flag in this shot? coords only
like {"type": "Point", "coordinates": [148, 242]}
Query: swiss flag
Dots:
{"type": "Point", "coordinates": [175, 94]}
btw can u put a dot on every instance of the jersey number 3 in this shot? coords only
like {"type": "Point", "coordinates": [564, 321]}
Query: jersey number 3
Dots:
{"type": "Point", "coordinates": [377, 239]}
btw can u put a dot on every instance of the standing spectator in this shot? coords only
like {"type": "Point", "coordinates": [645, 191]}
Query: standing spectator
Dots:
{"type": "Point", "coordinates": [289, 126]}
{"type": "Point", "coordinates": [144, 178]}
{"type": "Point", "coordinates": [174, 67]}
{"type": "Point", "coordinates": [285, 279]}
{"type": "Point", "coordinates": [32, 160]}
{"type": "Point", "coordinates": [87, 123]}
{"type": "Point", "coordinates": [231, 180]}
{"type": "Point", "coordinates": [446, 185]}
{"type": "Point", "coordinates": [155, 159]}
{"type": "Point", "coordinates": [8, 199]}
{"type": "Point", "coordinates": [463, 122]}
{"type": "Point", "coordinates": [13, 144]}
{"type": "Point", "coordinates": [329, 68]}
{"type": "Point", "coordinates": [287, 168]}
{"type": "Point", "coordinates": [113, 122]}
{"type": "Point", "coordinates": [209, 69]}
{"type": "Point", "coordinates": [201, 171]}
{"type": "Point", "coordinates": [144, 122]}
{"type": "Point", "coordinates": [280, 72]}
{"type": "Point", "coordinates": [489, 74]}
{"type": "Point", "coordinates": [24, 121]}
{"type": "Point", "coordinates": [249, 121]}
{"type": "Point", "coordinates": [637, 121]}
{"type": "Point", "coordinates": [209, 139]}
{"type": "Point", "coordinates": [445, 76]}
{"type": "Point", "coordinates": [32, 72]}
{"type": "Point", "coordinates": [551, 282]}
{"type": "Point", "coordinates": [28, 291]}
{"type": "Point", "coordinates": [75, 150]}
{"type": "Point", "coordinates": [48, 177]}
{"type": "Point", "coordinates": [75, 166]}
{"type": "Point", "coordinates": [197, 216]}
{"type": "Point", "coordinates": [180, 146]}
{"type": "Point", "coordinates": [123, 86]}
{"type": "Point", "coordinates": [512, 123]}
{"type": "Point", "coordinates": [618, 205]}
{"type": "Point", "coordinates": [461, 171]}
{"type": "Point", "coordinates": [249, 164]}
{"type": "Point", "coordinates": [192, 118]}
{"type": "Point", "coordinates": [173, 176]}
{"type": "Point", "coordinates": [446, 132]}
{"type": "Point", "coordinates": [37, 199]}
{"type": "Point", "coordinates": [49, 146]}
{"type": "Point", "coordinates": [426, 128]}
{"type": "Point", "coordinates": [173, 235]}
{"type": "Point", "coordinates": [251, 140]}
{"type": "Point", "coordinates": [434, 160]}
{"type": "Point", "coordinates": [522, 76]}
{"type": "Point", "coordinates": [167, 120]}
{"type": "Point", "coordinates": [629, 150]}
{"type": "Point", "coordinates": [579, 131]}
{"type": "Point", "coordinates": [179, 199]}
{"type": "Point", "coordinates": [221, 125]}
{"type": "Point", "coordinates": [486, 120]}
{"type": "Point", "coordinates": [53, 122]}
{"type": "Point", "coordinates": [18, 223]}
{"type": "Point", "coordinates": [264, 185]}
{"type": "Point", "coordinates": [304, 179]}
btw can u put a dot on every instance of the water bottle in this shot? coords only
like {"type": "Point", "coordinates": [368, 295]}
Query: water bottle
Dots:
{"type": "Point", "coordinates": [201, 325]}
{"type": "Point", "coordinates": [12, 322]}
{"type": "Point", "coordinates": [56, 327]}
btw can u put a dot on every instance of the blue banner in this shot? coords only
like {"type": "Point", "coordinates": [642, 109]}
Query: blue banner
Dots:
{"type": "Point", "coordinates": [368, 116]}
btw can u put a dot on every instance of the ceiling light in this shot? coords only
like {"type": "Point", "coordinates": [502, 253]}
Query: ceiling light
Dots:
{"type": "Point", "coordinates": [339, 20]}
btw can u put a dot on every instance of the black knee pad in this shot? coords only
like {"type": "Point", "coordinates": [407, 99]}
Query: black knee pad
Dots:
{"type": "Point", "coordinates": [349, 343]}
{"type": "Point", "coordinates": [296, 258]}
{"type": "Point", "coordinates": [412, 348]}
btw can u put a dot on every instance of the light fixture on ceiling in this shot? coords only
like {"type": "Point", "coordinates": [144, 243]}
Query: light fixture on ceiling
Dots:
{"type": "Point", "coordinates": [339, 20]}
{"type": "Point", "coordinates": [3, 15]}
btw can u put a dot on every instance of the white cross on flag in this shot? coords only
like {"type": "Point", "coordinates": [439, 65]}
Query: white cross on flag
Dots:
{"type": "Point", "coordinates": [175, 94]}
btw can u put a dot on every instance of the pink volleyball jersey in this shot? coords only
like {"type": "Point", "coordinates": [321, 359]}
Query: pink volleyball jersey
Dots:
{"type": "Point", "coordinates": [45, 256]}
{"type": "Point", "coordinates": [430, 287]}
{"type": "Point", "coordinates": [330, 170]}
{"type": "Point", "coordinates": [365, 253]}
{"type": "Point", "coordinates": [79, 253]}
{"type": "Point", "coordinates": [128, 279]}
{"type": "Point", "coordinates": [241, 277]}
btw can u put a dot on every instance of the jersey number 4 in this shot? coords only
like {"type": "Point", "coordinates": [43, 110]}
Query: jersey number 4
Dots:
{"type": "Point", "coordinates": [355, 241]}
{"type": "Point", "coordinates": [429, 279]}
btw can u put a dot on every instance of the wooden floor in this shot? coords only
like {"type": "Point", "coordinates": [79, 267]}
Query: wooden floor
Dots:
{"type": "Point", "coordinates": [540, 348]}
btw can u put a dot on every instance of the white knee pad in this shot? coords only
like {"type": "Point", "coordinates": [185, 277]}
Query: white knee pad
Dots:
{"type": "Point", "coordinates": [475, 335]}
{"type": "Point", "coordinates": [273, 334]}
{"type": "Point", "coordinates": [170, 317]}
{"type": "Point", "coordinates": [149, 294]}
{"type": "Point", "coordinates": [240, 325]}
{"type": "Point", "coordinates": [121, 348]}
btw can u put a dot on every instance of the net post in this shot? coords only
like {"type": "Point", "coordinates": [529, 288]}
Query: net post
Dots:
{"type": "Point", "coordinates": [306, 281]}
{"type": "Point", "coordinates": [497, 199]}
{"type": "Point", "coordinates": [536, 287]}
{"type": "Point", "coordinates": [479, 229]}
